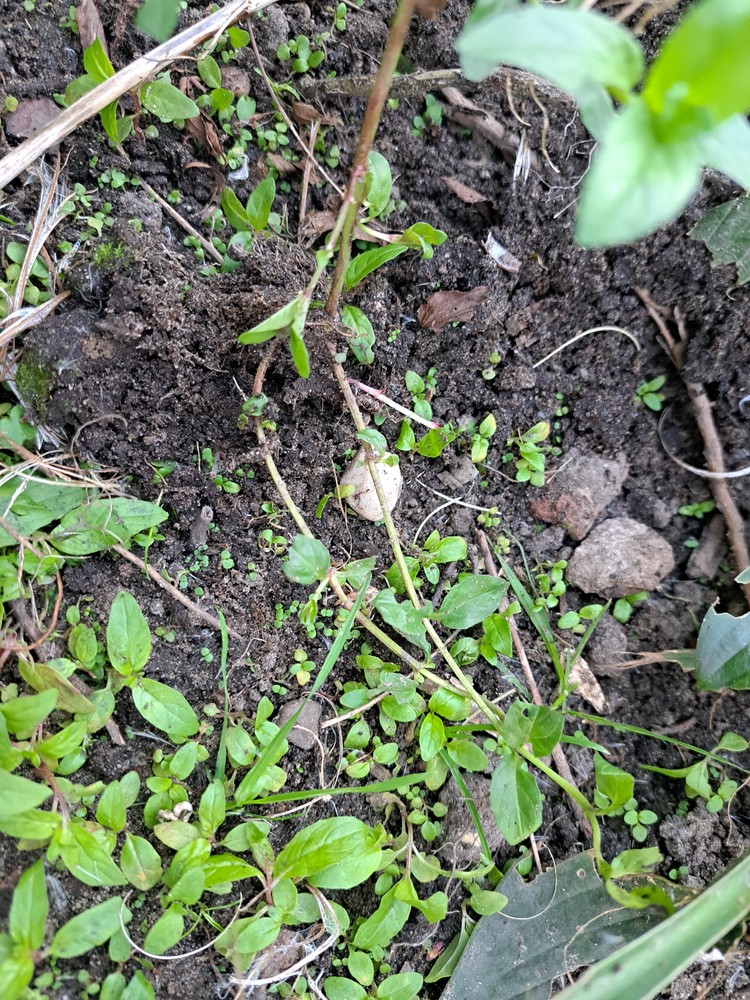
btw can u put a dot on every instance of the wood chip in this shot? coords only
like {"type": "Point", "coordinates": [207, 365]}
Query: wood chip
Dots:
{"type": "Point", "coordinates": [443, 308]}
{"type": "Point", "coordinates": [90, 25]}
{"type": "Point", "coordinates": [467, 194]}
{"type": "Point", "coordinates": [587, 685]}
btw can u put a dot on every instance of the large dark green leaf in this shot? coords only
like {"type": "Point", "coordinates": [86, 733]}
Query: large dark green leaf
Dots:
{"type": "Point", "coordinates": [723, 652]}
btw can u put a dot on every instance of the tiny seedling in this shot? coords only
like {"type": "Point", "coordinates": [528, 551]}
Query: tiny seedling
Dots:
{"type": "Point", "coordinates": [480, 439]}
{"type": "Point", "coordinates": [638, 820]}
{"type": "Point", "coordinates": [648, 393]}
{"type": "Point", "coordinates": [531, 458]}
{"type": "Point", "coordinates": [624, 606]}
{"type": "Point", "coordinates": [698, 510]}
{"type": "Point", "coordinates": [430, 119]}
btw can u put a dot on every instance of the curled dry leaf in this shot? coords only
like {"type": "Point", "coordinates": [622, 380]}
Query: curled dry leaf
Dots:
{"type": "Point", "coordinates": [587, 685]}
{"type": "Point", "coordinates": [306, 113]}
{"type": "Point", "coordinates": [502, 257]}
{"type": "Point", "coordinates": [90, 25]}
{"type": "Point", "coordinates": [443, 308]}
{"type": "Point", "coordinates": [364, 500]}
{"type": "Point", "coordinates": [467, 194]}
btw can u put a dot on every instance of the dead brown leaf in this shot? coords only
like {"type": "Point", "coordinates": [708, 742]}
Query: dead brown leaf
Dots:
{"type": "Point", "coordinates": [90, 25]}
{"type": "Point", "coordinates": [306, 113]}
{"type": "Point", "coordinates": [587, 685]}
{"type": "Point", "coordinates": [467, 194]}
{"type": "Point", "coordinates": [204, 132]}
{"type": "Point", "coordinates": [428, 8]}
{"type": "Point", "coordinates": [443, 308]}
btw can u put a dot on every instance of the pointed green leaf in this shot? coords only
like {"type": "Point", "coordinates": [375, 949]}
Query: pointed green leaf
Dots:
{"type": "Point", "coordinates": [166, 709]}
{"type": "Point", "coordinates": [140, 863]}
{"type": "Point", "coordinates": [515, 799]}
{"type": "Point", "coordinates": [29, 908]}
{"type": "Point", "coordinates": [471, 600]}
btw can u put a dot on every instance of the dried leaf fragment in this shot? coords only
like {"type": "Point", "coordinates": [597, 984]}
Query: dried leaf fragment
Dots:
{"type": "Point", "coordinates": [90, 25]}
{"type": "Point", "coordinates": [587, 685]}
{"type": "Point", "coordinates": [443, 308]}
{"type": "Point", "coordinates": [467, 194]}
{"type": "Point", "coordinates": [428, 8]}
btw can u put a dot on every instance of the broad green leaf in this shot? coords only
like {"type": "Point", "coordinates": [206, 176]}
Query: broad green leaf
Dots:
{"type": "Point", "coordinates": [35, 503]}
{"type": "Point", "coordinates": [703, 66]}
{"type": "Point", "coordinates": [378, 184]}
{"type": "Point", "coordinates": [208, 71]}
{"type": "Point", "coordinates": [96, 62]}
{"type": "Point", "coordinates": [422, 236]}
{"type": "Point", "coordinates": [369, 261]}
{"type": "Point", "coordinates": [402, 986]}
{"type": "Point", "coordinates": [89, 929]}
{"type": "Point", "coordinates": [165, 708]}
{"type": "Point", "coordinates": [384, 924]}
{"type": "Point", "coordinates": [327, 843]}
{"type": "Point", "coordinates": [431, 736]}
{"type": "Point", "coordinates": [361, 967]}
{"type": "Point", "coordinates": [128, 635]}
{"type": "Point", "coordinates": [212, 808]}
{"type": "Point", "coordinates": [110, 810]}
{"type": "Point", "coordinates": [86, 857]}
{"type": "Point", "coordinates": [471, 600]}
{"type": "Point", "coordinates": [362, 343]}
{"type": "Point", "coordinates": [15, 976]}
{"type": "Point", "coordinates": [340, 988]}
{"type": "Point", "coordinates": [183, 762]}
{"type": "Point", "coordinates": [726, 232]}
{"type": "Point", "coordinates": [176, 833]}
{"type": "Point", "coordinates": [23, 715]}
{"type": "Point", "coordinates": [29, 908]}
{"type": "Point", "coordinates": [167, 102]}
{"type": "Point", "coordinates": [403, 617]}
{"type": "Point", "coordinates": [222, 868]}
{"type": "Point", "coordinates": [189, 887]}
{"type": "Point", "coordinates": [140, 863]}
{"type": "Point", "coordinates": [467, 755]}
{"type": "Point", "coordinates": [449, 705]}
{"type": "Point", "coordinates": [18, 795]}
{"type": "Point", "coordinates": [583, 53]}
{"type": "Point", "coordinates": [308, 561]}
{"type": "Point", "coordinates": [96, 526]}
{"type": "Point", "coordinates": [259, 934]}
{"type": "Point", "coordinates": [727, 148]}
{"type": "Point", "coordinates": [139, 988]}
{"type": "Point", "coordinates": [234, 211]}
{"type": "Point", "coordinates": [63, 742]}
{"type": "Point", "coordinates": [636, 183]}
{"type": "Point", "coordinates": [613, 785]}
{"type": "Point", "coordinates": [290, 317]}
{"type": "Point", "coordinates": [166, 932]}
{"type": "Point", "coordinates": [515, 799]}
{"type": "Point", "coordinates": [300, 355]}
{"type": "Point", "coordinates": [723, 652]}
{"type": "Point", "coordinates": [32, 825]}
{"type": "Point", "coordinates": [158, 18]}
{"type": "Point", "coordinates": [450, 549]}
{"type": "Point", "coordinates": [535, 724]}
{"type": "Point", "coordinates": [258, 208]}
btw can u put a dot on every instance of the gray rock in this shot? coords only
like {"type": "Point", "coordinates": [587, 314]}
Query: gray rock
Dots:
{"type": "Point", "coordinates": [305, 731]}
{"type": "Point", "coordinates": [620, 557]}
{"type": "Point", "coordinates": [580, 492]}
{"type": "Point", "coordinates": [607, 646]}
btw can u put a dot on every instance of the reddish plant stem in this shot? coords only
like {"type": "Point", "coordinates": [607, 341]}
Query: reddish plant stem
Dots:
{"type": "Point", "coordinates": [356, 186]}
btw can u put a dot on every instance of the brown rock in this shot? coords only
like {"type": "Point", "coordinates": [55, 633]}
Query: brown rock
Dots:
{"type": "Point", "coordinates": [31, 115]}
{"type": "Point", "coordinates": [620, 557]}
{"type": "Point", "coordinates": [580, 492]}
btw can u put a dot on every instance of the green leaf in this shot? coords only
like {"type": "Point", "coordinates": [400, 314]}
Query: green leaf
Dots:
{"type": "Point", "coordinates": [636, 183]}
{"type": "Point", "coordinates": [471, 600]}
{"type": "Point", "coordinates": [384, 924]}
{"type": "Point", "coordinates": [583, 53]}
{"type": "Point", "coordinates": [403, 617]}
{"type": "Point", "coordinates": [212, 808]}
{"type": "Point", "coordinates": [450, 549]}
{"type": "Point", "coordinates": [167, 102]}
{"type": "Point", "coordinates": [378, 184]}
{"type": "Point", "coordinates": [96, 62]}
{"type": "Point", "coordinates": [34, 503]}
{"type": "Point", "coordinates": [29, 908]}
{"type": "Point", "coordinates": [727, 148]}
{"type": "Point", "coordinates": [32, 824]}
{"type": "Point", "coordinates": [110, 811]}
{"type": "Point", "coordinates": [467, 755]}
{"type": "Point", "coordinates": [139, 988]}
{"type": "Point", "coordinates": [613, 785]}
{"type": "Point", "coordinates": [431, 736]}
{"type": "Point", "coordinates": [100, 524]}
{"type": "Point", "coordinates": [362, 343]}
{"type": "Point", "coordinates": [140, 863]}
{"type": "Point", "coordinates": [723, 652]}
{"type": "Point", "coordinates": [402, 986]}
{"type": "Point", "coordinates": [259, 203]}
{"type": "Point", "coordinates": [234, 211]}
{"type": "Point", "coordinates": [225, 868]}
{"type": "Point", "coordinates": [89, 929]}
{"type": "Point", "coordinates": [726, 232]}
{"type": "Point", "coordinates": [18, 795]}
{"type": "Point", "coordinates": [703, 66]}
{"type": "Point", "coordinates": [158, 18]}
{"type": "Point", "coordinates": [208, 71]}
{"type": "Point", "coordinates": [15, 976]}
{"type": "Point", "coordinates": [308, 561]}
{"type": "Point", "coordinates": [86, 857]}
{"type": "Point", "coordinates": [259, 934]}
{"type": "Point", "coordinates": [23, 715]}
{"type": "Point", "coordinates": [290, 317]}
{"type": "Point", "coordinates": [324, 845]}
{"type": "Point", "coordinates": [300, 356]}
{"type": "Point", "coordinates": [165, 708]}
{"type": "Point", "coordinates": [535, 724]}
{"type": "Point", "coordinates": [166, 932]}
{"type": "Point", "coordinates": [515, 799]}
{"type": "Point", "coordinates": [183, 762]}
{"type": "Point", "coordinates": [339, 988]}
{"type": "Point", "coordinates": [369, 261]}
{"type": "Point", "coordinates": [128, 635]}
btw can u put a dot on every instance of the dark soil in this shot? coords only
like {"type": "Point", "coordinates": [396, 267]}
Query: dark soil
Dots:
{"type": "Point", "coordinates": [148, 370]}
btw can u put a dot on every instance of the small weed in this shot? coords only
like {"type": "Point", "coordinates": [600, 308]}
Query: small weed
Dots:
{"type": "Point", "coordinates": [489, 371]}
{"type": "Point", "coordinates": [530, 461]}
{"type": "Point", "coordinates": [698, 510]}
{"type": "Point", "coordinates": [638, 820]}
{"type": "Point", "coordinates": [480, 439]}
{"type": "Point", "coordinates": [303, 53]}
{"type": "Point", "coordinates": [430, 119]}
{"type": "Point", "coordinates": [648, 393]}
{"type": "Point", "coordinates": [624, 606]}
